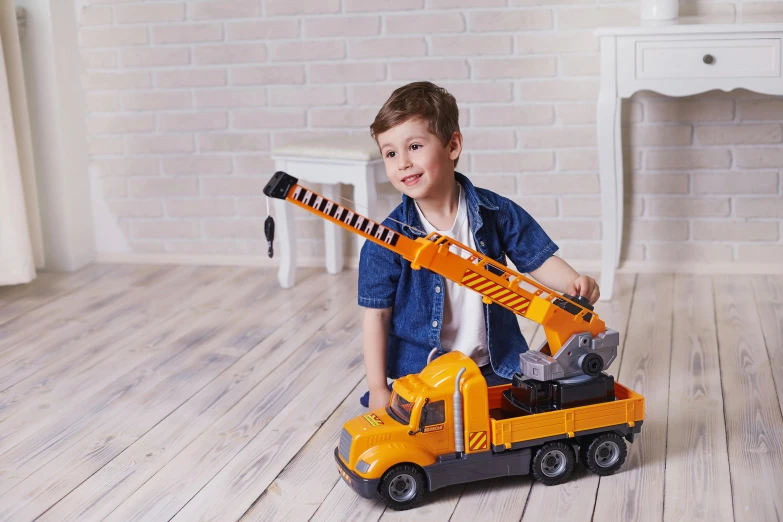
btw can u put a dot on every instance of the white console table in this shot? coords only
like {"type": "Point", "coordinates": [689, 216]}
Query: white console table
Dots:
{"type": "Point", "coordinates": [678, 58]}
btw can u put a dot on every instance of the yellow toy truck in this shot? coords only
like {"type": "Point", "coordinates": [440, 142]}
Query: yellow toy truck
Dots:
{"type": "Point", "coordinates": [444, 425]}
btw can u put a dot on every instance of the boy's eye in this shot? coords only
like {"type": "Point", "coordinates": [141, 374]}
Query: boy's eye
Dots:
{"type": "Point", "coordinates": [415, 146]}
{"type": "Point", "coordinates": [390, 154]}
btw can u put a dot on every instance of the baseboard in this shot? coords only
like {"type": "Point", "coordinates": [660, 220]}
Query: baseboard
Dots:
{"type": "Point", "coordinates": [582, 266]}
{"type": "Point", "coordinates": [661, 267]}
{"type": "Point", "coordinates": [208, 260]}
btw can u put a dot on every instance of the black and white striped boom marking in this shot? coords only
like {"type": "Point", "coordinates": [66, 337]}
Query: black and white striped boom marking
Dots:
{"type": "Point", "coordinates": [340, 213]}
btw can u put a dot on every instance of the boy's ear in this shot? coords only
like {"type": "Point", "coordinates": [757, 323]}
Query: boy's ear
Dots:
{"type": "Point", "coordinates": [455, 145]}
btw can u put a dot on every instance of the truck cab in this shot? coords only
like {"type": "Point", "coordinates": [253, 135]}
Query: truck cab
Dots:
{"type": "Point", "coordinates": [432, 416]}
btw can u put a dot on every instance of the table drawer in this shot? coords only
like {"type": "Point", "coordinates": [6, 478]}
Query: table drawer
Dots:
{"type": "Point", "coordinates": [729, 58]}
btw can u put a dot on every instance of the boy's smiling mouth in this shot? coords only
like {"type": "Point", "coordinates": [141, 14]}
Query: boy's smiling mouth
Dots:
{"type": "Point", "coordinates": [410, 180]}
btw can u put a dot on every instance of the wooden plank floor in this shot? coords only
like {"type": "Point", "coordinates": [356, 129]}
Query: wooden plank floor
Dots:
{"type": "Point", "coordinates": [204, 393]}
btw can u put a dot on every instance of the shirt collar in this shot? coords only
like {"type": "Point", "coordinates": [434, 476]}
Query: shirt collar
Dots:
{"type": "Point", "coordinates": [473, 198]}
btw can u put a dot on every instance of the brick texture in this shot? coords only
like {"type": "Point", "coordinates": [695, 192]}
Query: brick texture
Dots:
{"type": "Point", "coordinates": [190, 33]}
{"type": "Point", "coordinates": [412, 70]}
{"type": "Point", "coordinates": [99, 59]}
{"type": "Point", "coordinates": [515, 67]}
{"type": "Point", "coordinates": [134, 14]}
{"type": "Point", "coordinates": [223, 9]}
{"type": "Point", "coordinates": [342, 27]}
{"type": "Point", "coordinates": [187, 98]}
{"type": "Point", "coordinates": [510, 20]}
{"type": "Point", "coordinates": [453, 22]}
{"type": "Point", "coordinates": [154, 57]}
{"type": "Point", "coordinates": [197, 164]}
{"type": "Point", "coordinates": [262, 29]}
{"type": "Point", "coordinates": [387, 47]}
{"type": "Point", "coordinates": [301, 7]}
{"type": "Point", "coordinates": [191, 122]}
{"type": "Point", "coordinates": [471, 45]}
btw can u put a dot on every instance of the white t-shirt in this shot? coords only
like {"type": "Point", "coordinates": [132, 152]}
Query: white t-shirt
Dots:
{"type": "Point", "coordinates": [463, 327]}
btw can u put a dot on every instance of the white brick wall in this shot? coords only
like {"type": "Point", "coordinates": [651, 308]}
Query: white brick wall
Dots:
{"type": "Point", "coordinates": [185, 100]}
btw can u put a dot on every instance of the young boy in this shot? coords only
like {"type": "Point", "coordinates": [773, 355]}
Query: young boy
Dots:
{"type": "Point", "coordinates": [409, 312]}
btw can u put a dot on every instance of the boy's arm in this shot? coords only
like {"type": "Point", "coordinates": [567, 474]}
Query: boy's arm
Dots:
{"type": "Point", "coordinates": [379, 274]}
{"type": "Point", "coordinates": [558, 275]}
{"type": "Point", "coordinates": [375, 339]}
{"type": "Point", "coordinates": [531, 250]}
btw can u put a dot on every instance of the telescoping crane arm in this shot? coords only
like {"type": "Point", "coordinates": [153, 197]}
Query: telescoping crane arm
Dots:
{"type": "Point", "coordinates": [568, 325]}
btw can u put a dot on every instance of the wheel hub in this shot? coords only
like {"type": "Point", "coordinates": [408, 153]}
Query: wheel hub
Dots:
{"type": "Point", "coordinates": [553, 463]}
{"type": "Point", "coordinates": [402, 488]}
{"type": "Point", "coordinates": [607, 454]}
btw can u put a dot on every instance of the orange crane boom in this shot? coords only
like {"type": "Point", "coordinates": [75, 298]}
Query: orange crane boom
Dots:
{"type": "Point", "coordinates": [565, 321]}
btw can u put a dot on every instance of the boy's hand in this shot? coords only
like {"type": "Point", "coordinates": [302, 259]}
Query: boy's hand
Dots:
{"type": "Point", "coordinates": [586, 287]}
{"type": "Point", "coordinates": [379, 398]}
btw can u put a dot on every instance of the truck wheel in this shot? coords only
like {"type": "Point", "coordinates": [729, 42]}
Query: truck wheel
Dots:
{"type": "Point", "coordinates": [402, 487]}
{"type": "Point", "coordinates": [605, 454]}
{"type": "Point", "coordinates": [553, 463]}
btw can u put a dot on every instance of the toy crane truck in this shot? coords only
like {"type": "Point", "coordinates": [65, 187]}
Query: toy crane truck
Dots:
{"type": "Point", "coordinates": [444, 425]}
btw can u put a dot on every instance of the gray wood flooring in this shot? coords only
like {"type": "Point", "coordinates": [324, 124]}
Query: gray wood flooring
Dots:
{"type": "Point", "coordinates": [187, 393]}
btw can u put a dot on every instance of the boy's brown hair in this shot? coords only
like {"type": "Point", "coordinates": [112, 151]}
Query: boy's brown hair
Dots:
{"type": "Point", "coordinates": [423, 100]}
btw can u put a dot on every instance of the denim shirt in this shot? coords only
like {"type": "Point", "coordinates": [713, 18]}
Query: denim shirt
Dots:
{"type": "Point", "coordinates": [500, 228]}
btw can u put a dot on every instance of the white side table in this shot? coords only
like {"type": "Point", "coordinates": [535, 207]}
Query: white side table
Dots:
{"type": "Point", "coordinates": [681, 58]}
{"type": "Point", "coordinates": [330, 161]}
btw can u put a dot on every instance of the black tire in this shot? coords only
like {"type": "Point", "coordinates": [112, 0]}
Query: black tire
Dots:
{"type": "Point", "coordinates": [553, 463]}
{"type": "Point", "coordinates": [605, 454]}
{"type": "Point", "coordinates": [592, 364]}
{"type": "Point", "coordinates": [402, 487]}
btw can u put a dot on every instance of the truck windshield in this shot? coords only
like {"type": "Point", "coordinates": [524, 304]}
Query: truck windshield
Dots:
{"type": "Point", "coordinates": [401, 408]}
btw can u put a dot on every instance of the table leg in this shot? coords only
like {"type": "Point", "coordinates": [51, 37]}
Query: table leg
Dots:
{"type": "Point", "coordinates": [365, 197]}
{"type": "Point", "coordinates": [611, 209]}
{"type": "Point", "coordinates": [285, 242]}
{"type": "Point", "coordinates": [619, 179]}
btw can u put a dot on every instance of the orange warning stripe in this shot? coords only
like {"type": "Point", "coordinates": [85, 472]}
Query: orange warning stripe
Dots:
{"type": "Point", "coordinates": [495, 291]}
{"type": "Point", "coordinates": [477, 440]}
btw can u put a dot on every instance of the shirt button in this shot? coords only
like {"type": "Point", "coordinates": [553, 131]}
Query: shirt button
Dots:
{"type": "Point", "coordinates": [437, 289]}
{"type": "Point", "coordinates": [434, 324]}
{"type": "Point", "coordinates": [482, 243]}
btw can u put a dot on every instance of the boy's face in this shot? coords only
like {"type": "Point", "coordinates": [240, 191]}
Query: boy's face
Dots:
{"type": "Point", "coordinates": [417, 163]}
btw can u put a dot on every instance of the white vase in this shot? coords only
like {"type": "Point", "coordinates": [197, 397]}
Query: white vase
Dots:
{"type": "Point", "coordinates": [659, 9]}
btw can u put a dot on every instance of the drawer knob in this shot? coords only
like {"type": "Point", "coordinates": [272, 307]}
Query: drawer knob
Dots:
{"type": "Point", "coordinates": [708, 59]}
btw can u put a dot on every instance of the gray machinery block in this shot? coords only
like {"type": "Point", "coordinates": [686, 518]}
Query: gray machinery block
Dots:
{"type": "Point", "coordinates": [580, 355]}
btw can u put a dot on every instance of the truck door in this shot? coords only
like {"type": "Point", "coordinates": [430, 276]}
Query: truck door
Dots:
{"type": "Point", "coordinates": [436, 432]}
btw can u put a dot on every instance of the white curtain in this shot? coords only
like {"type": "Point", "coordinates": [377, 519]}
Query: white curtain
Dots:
{"type": "Point", "coordinates": [21, 244]}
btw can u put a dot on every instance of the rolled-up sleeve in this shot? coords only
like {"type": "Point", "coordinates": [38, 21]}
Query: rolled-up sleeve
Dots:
{"type": "Point", "coordinates": [525, 242]}
{"type": "Point", "coordinates": [379, 272]}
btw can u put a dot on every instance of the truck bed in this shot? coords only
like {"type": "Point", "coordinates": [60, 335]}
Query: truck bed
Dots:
{"type": "Point", "coordinates": [627, 409]}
